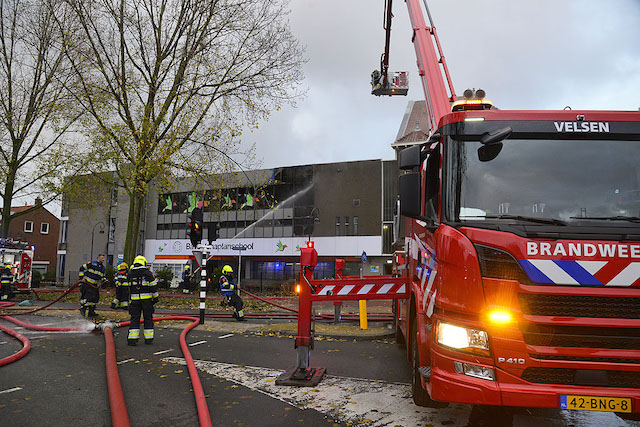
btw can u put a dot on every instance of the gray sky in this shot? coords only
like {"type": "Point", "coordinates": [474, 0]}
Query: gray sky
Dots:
{"type": "Point", "coordinates": [539, 54]}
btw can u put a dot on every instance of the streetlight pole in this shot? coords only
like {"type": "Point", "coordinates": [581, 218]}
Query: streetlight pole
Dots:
{"type": "Point", "coordinates": [92, 233]}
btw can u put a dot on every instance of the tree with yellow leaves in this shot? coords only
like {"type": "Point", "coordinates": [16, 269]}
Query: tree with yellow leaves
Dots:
{"type": "Point", "coordinates": [36, 112]}
{"type": "Point", "coordinates": [168, 84]}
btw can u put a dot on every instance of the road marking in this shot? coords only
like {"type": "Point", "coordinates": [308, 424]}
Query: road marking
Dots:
{"type": "Point", "coordinates": [125, 361]}
{"type": "Point", "coordinates": [4, 342]}
{"type": "Point", "coordinates": [347, 400]}
{"type": "Point", "coordinates": [226, 336]}
{"type": "Point", "coordinates": [196, 343]}
{"type": "Point", "coordinates": [11, 390]}
{"type": "Point", "coordinates": [163, 351]}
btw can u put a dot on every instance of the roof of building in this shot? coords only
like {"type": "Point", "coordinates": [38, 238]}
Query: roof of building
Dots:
{"type": "Point", "coordinates": [15, 209]}
{"type": "Point", "coordinates": [18, 209]}
{"type": "Point", "coordinates": [415, 125]}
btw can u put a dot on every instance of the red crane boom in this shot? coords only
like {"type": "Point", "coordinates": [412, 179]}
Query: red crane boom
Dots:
{"type": "Point", "coordinates": [430, 60]}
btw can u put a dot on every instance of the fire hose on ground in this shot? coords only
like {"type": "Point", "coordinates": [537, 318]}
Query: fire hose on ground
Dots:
{"type": "Point", "coordinates": [119, 414]}
{"type": "Point", "coordinates": [45, 306]}
{"type": "Point", "coordinates": [117, 404]}
{"type": "Point", "coordinates": [26, 346]}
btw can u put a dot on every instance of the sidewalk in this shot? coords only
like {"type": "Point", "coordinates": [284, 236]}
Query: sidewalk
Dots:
{"type": "Point", "coordinates": [325, 330]}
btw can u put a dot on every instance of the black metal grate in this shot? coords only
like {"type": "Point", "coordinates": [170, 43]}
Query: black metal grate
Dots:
{"type": "Point", "coordinates": [581, 336]}
{"type": "Point", "coordinates": [624, 379]}
{"type": "Point", "coordinates": [580, 306]}
{"type": "Point", "coordinates": [499, 264]}
{"type": "Point", "coordinates": [584, 359]}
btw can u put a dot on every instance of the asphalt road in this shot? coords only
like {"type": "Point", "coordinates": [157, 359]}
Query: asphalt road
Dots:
{"type": "Point", "coordinates": [62, 382]}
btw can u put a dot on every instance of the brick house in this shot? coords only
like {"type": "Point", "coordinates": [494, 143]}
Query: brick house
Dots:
{"type": "Point", "coordinates": [40, 228]}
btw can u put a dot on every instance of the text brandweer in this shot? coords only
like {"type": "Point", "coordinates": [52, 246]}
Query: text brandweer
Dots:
{"type": "Point", "coordinates": [583, 249]}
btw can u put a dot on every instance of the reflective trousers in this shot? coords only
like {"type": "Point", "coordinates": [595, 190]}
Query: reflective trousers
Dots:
{"type": "Point", "coordinates": [122, 297]}
{"type": "Point", "coordinates": [5, 292]}
{"type": "Point", "coordinates": [89, 295]}
{"type": "Point", "coordinates": [136, 308]}
{"type": "Point", "coordinates": [236, 302]}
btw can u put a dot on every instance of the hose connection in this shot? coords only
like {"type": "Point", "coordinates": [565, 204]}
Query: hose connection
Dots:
{"type": "Point", "coordinates": [101, 326]}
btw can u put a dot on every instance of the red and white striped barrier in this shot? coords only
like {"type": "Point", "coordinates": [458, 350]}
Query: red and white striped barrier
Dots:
{"type": "Point", "coordinates": [369, 288]}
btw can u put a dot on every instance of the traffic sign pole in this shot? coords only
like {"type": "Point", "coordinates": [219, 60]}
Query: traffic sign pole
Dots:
{"type": "Point", "coordinates": [203, 283]}
{"type": "Point", "coordinates": [201, 258]}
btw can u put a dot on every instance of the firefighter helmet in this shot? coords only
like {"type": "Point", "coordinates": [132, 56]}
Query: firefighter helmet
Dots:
{"type": "Point", "coordinates": [227, 269]}
{"type": "Point", "coordinates": [186, 267]}
{"type": "Point", "coordinates": [8, 266]}
{"type": "Point", "coordinates": [140, 260]}
{"type": "Point", "coordinates": [123, 266]}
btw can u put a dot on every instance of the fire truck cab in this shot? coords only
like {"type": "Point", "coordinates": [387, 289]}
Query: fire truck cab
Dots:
{"type": "Point", "coordinates": [20, 256]}
{"type": "Point", "coordinates": [522, 242]}
{"type": "Point", "coordinates": [521, 247]}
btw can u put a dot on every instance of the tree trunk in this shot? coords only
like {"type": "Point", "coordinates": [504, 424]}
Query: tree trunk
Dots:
{"type": "Point", "coordinates": [136, 199]}
{"type": "Point", "coordinates": [6, 205]}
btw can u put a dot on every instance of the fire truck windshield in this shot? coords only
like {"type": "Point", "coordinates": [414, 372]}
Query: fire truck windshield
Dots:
{"type": "Point", "coordinates": [561, 180]}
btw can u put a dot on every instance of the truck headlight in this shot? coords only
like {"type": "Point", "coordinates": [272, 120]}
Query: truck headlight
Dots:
{"type": "Point", "coordinates": [463, 338]}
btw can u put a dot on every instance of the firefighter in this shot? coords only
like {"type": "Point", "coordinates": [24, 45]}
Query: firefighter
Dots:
{"type": "Point", "coordinates": [91, 278]}
{"type": "Point", "coordinates": [228, 289]}
{"type": "Point", "coordinates": [375, 79]}
{"type": "Point", "coordinates": [122, 288]}
{"type": "Point", "coordinates": [186, 279]}
{"type": "Point", "coordinates": [6, 280]}
{"type": "Point", "coordinates": [144, 294]}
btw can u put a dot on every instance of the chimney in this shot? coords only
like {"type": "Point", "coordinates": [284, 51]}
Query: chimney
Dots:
{"type": "Point", "coordinates": [38, 201]}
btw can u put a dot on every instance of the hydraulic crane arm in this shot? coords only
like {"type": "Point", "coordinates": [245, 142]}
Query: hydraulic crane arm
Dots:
{"type": "Point", "coordinates": [384, 61]}
{"type": "Point", "coordinates": [435, 91]}
{"type": "Point", "coordinates": [429, 61]}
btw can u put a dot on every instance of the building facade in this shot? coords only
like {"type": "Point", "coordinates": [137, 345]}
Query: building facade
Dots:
{"type": "Point", "coordinates": [40, 229]}
{"type": "Point", "coordinates": [264, 217]}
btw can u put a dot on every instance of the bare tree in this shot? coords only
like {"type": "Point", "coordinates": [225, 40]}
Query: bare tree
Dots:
{"type": "Point", "coordinates": [169, 84]}
{"type": "Point", "coordinates": [35, 113]}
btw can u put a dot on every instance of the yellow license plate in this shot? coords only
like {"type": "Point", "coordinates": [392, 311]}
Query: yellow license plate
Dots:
{"type": "Point", "coordinates": [595, 403]}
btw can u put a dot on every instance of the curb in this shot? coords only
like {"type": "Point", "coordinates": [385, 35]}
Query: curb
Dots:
{"type": "Point", "coordinates": [358, 337]}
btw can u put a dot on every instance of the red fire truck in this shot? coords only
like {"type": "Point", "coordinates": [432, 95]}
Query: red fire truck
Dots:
{"type": "Point", "coordinates": [522, 250]}
{"type": "Point", "coordinates": [20, 256]}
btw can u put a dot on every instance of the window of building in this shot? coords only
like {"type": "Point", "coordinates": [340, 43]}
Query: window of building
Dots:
{"type": "Point", "coordinates": [28, 226]}
{"type": "Point", "coordinates": [44, 228]}
{"type": "Point", "coordinates": [346, 225]}
{"type": "Point", "coordinates": [356, 202]}
{"type": "Point", "coordinates": [61, 267]}
{"type": "Point", "coordinates": [387, 238]}
{"type": "Point", "coordinates": [63, 230]}
{"type": "Point", "coordinates": [337, 226]}
{"type": "Point", "coordinates": [273, 270]}
{"type": "Point", "coordinates": [112, 230]}
{"type": "Point", "coordinates": [355, 225]}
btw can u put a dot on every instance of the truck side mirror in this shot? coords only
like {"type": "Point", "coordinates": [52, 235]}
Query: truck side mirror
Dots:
{"type": "Point", "coordinates": [409, 158]}
{"type": "Point", "coordinates": [409, 189]}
